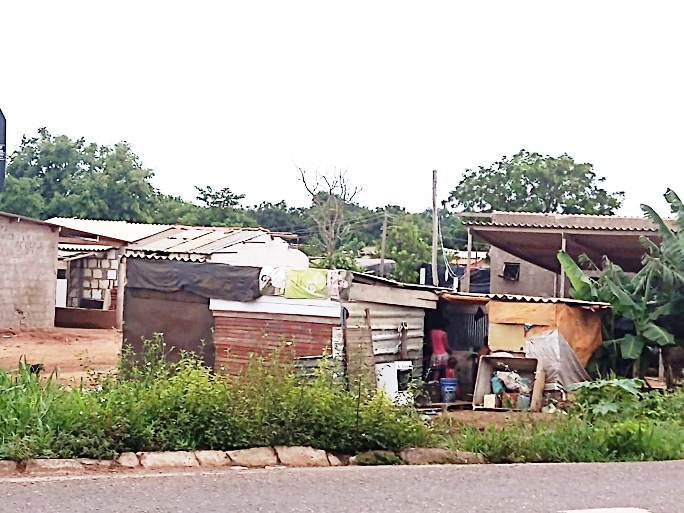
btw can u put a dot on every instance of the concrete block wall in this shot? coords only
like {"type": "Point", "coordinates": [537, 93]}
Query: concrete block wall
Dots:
{"type": "Point", "coordinates": [28, 273]}
{"type": "Point", "coordinates": [92, 277]}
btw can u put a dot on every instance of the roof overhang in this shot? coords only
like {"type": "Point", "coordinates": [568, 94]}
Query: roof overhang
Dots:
{"type": "Point", "coordinates": [471, 298]}
{"type": "Point", "coordinates": [540, 245]}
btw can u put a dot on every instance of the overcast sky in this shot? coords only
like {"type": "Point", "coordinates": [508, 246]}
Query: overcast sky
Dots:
{"type": "Point", "coordinates": [235, 93]}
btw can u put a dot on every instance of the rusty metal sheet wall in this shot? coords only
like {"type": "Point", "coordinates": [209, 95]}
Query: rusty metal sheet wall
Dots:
{"type": "Point", "coordinates": [237, 335]}
{"type": "Point", "coordinates": [385, 322]}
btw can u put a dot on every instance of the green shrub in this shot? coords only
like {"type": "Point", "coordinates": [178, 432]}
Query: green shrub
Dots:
{"type": "Point", "coordinates": [155, 404]}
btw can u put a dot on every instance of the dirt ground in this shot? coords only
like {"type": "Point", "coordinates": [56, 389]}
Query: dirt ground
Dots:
{"type": "Point", "coordinates": [69, 351]}
{"type": "Point", "coordinates": [481, 419]}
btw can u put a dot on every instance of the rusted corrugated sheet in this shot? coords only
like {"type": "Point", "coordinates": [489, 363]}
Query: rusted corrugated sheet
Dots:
{"type": "Point", "coordinates": [385, 321]}
{"type": "Point", "coordinates": [484, 298]}
{"type": "Point", "coordinates": [238, 335]}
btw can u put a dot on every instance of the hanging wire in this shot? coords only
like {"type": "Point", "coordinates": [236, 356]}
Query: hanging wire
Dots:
{"type": "Point", "coordinates": [441, 243]}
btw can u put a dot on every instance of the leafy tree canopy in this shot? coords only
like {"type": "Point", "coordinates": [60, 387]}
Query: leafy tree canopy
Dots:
{"type": "Point", "coordinates": [56, 176]}
{"type": "Point", "coordinates": [530, 182]}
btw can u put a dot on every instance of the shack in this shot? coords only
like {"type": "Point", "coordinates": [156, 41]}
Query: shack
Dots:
{"type": "Point", "coordinates": [363, 320]}
{"type": "Point", "coordinates": [386, 320]}
{"type": "Point", "coordinates": [506, 321]}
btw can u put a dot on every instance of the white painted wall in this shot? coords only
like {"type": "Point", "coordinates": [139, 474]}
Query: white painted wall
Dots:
{"type": "Point", "coordinates": [61, 297]}
{"type": "Point", "coordinates": [262, 251]}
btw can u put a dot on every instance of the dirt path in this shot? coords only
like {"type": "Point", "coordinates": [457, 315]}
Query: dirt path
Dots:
{"type": "Point", "coordinates": [482, 419]}
{"type": "Point", "coordinates": [66, 350]}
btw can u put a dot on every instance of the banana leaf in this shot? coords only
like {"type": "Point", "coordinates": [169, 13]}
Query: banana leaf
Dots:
{"type": "Point", "coordinates": [657, 334]}
{"type": "Point", "coordinates": [582, 286]}
{"type": "Point", "coordinates": [623, 301]}
{"type": "Point", "coordinates": [631, 347]}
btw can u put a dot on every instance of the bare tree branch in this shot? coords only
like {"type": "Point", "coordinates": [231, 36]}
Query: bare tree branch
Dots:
{"type": "Point", "coordinates": [330, 193]}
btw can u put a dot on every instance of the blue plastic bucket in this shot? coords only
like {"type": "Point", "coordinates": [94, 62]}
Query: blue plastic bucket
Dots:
{"type": "Point", "coordinates": [449, 388]}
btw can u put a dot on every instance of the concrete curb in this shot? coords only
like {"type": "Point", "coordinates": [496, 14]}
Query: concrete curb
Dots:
{"type": "Point", "coordinates": [257, 457]}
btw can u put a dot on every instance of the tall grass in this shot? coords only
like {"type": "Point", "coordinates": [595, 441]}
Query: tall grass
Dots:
{"type": "Point", "coordinates": [154, 404]}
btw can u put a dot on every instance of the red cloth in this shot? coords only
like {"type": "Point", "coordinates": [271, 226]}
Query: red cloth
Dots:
{"type": "Point", "coordinates": [438, 340]}
{"type": "Point", "coordinates": [449, 372]}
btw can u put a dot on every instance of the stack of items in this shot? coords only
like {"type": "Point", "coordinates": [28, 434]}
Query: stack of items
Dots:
{"type": "Point", "coordinates": [510, 390]}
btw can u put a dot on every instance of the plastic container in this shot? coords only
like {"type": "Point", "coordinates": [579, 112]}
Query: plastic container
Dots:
{"type": "Point", "coordinates": [449, 388]}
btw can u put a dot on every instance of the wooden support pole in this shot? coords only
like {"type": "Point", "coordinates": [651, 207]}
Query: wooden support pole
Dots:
{"type": "Point", "coordinates": [562, 275]}
{"type": "Point", "coordinates": [466, 278]}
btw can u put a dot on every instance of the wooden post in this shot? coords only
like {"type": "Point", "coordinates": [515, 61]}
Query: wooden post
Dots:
{"type": "Point", "coordinates": [383, 245]}
{"type": "Point", "coordinates": [562, 275]}
{"type": "Point", "coordinates": [435, 226]}
{"type": "Point", "coordinates": [466, 278]}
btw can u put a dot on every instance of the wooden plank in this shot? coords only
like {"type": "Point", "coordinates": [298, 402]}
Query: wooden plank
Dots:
{"type": "Point", "coordinates": [392, 296]}
{"type": "Point", "coordinates": [359, 354]}
{"type": "Point", "coordinates": [506, 337]}
{"type": "Point", "coordinates": [538, 388]}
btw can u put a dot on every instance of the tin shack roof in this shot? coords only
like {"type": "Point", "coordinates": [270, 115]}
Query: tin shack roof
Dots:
{"type": "Point", "coordinates": [485, 298]}
{"type": "Point", "coordinates": [537, 238]}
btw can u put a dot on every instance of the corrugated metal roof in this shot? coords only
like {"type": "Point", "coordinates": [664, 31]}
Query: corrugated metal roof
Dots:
{"type": "Point", "coordinates": [484, 298]}
{"type": "Point", "coordinates": [563, 226]}
{"type": "Point", "coordinates": [84, 247]}
{"type": "Point", "coordinates": [198, 241]}
{"type": "Point", "coordinates": [371, 279]}
{"type": "Point", "coordinates": [540, 220]}
{"type": "Point", "coordinates": [184, 257]}
{"type": "Point", "coordinates": [119, 230]}
{"type": "Point", "coordinates": [229, 240]}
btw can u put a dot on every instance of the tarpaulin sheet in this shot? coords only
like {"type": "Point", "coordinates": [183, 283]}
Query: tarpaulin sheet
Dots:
{"type": "Point", "coordinates": [559, 360]}
{"type": "Point", "coordinates": [216, 281]}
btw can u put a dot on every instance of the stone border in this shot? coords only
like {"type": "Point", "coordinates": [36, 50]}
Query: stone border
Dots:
{"type": "Point", "coordinates": [257, 457]}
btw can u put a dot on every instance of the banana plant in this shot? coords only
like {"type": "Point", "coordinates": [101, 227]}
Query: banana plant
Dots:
{"type": "Point", "coordinates": [633, 299]}
{"type": "Point", "coordinates": [651, 303]}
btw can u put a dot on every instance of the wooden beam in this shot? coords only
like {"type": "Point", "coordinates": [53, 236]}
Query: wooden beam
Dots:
{"type": "Point", "coordinates": [392, 296]}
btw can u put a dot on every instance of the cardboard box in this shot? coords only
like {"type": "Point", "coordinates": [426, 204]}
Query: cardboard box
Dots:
{"type": "Point", "coordinates": [490, 401]}
{"type": "Point", "coordinates": [529, 368]}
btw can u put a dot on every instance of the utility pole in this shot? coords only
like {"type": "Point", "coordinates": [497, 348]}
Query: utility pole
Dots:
{"type": "Point", "coordinates": [466, 281]}
{"type": "Point", "coordinates": [435, 221]}
{"type": "Point", "coordinates": [383, 245]}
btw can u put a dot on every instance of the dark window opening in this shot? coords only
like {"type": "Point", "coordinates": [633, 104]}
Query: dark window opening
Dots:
{"type": "Point", "coordinates": [404, 377]}
{"type": "Point", "coordinates": [511, 271]}
{"type": "Point", "coordinates": [61, 274]}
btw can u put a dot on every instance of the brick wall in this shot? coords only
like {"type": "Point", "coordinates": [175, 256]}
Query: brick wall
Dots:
{"type": "Point", "coordinates": [93, 278]}
{"type": "Point", "coordinates": [28, 274]}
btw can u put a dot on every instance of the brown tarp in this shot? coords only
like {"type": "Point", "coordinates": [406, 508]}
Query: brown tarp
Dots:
{"type": "Point", "coordinates": [182, 318]}
{"type": "Point", "coordinates": [217, 281]}
{"type": "Point", "coordinates": [581, 327]}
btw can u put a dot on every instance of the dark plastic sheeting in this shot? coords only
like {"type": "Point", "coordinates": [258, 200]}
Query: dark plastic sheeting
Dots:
{"type": "Point", "coordinates": [217, 281]}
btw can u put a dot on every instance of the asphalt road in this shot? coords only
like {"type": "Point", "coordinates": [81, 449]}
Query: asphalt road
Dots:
{"type": "Point", "coordinates": [651, 487]}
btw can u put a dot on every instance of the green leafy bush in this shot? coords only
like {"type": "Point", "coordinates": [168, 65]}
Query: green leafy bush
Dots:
{"type": "Point", "coordinates": [154, 404]}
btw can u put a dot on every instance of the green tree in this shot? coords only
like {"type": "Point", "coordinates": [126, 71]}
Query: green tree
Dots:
{"type": "Point", "coordinates": [530, 182]}
{"type": "Point", "coordinates": [76, 179]}
{"type": "Point", "coordinates": [278, 217]}
{"type": "Point", "coordinates": [407, 248]}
